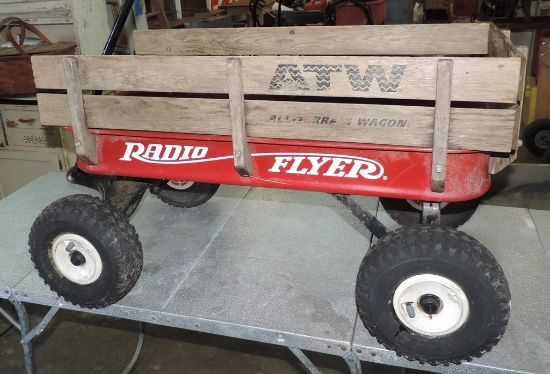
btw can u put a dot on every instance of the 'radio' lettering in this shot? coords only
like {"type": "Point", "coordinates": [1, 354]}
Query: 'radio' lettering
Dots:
{"type": "Point", "coordinates": [162, 153]}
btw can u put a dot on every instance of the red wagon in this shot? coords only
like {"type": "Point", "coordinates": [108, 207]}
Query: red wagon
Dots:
{"type": "Point", "coordinates": [417, 115]}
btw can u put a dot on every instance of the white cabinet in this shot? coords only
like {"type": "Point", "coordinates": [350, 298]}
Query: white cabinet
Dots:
{"type": "Point", "coordinates": [23, 129]}
{"type": "Point", "coordinates": [28, 149]}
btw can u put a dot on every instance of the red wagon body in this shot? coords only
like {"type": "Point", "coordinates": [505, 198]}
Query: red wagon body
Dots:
{"type": "Point", "coordinates": [400, 172]}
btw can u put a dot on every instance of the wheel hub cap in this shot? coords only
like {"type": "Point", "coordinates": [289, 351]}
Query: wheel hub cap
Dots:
{"type": "Point", "coordinates": [542, 139]}
{"type": "Point", "coordinates": [76, 258]}
{"type": "Point", "coordinates": [179, 184]}
{"type": "Point", "coordinates": [431, 305]}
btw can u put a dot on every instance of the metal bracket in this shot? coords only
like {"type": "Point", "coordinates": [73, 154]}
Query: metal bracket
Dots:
{"type": "Point", "coordinates": [371, 222]}
{"type": "Point", "coordinates": [304, 360]}
{"type": "Point", "coordinates": [353, 362]}
{"type": "Point", "coordinates": [123, 194]}
{"type": "Point", "coordinates": [10, 319]}
{"type": "Point", "coordinates": [431, 213]}
{"type": "Point", "coordinates": [38, 329]}
{"type": "Point", "coordinates": [26, 333]}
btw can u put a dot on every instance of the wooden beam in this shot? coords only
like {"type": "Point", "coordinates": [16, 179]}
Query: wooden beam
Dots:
{"type": "Point", "coordinates": [91, 25]}
{"type": "Point", "coordinates": [241, 149]}
{"type": "Point", "coordinates": [475, 129]}
{"type": "Point", "coordinates": [442, 117]}
{"type": "Point", "coordinates": [474, 79]}
{"type": "Point", "coordinates": [85, 142]}
{"type": "Point", "coordinates": [452, 39]}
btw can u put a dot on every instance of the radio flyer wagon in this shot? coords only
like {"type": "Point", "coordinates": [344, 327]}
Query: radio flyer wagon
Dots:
{"type": "Point", "coordinates": [418, 113]}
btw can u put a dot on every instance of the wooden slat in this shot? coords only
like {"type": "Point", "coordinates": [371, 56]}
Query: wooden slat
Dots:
{"type": "Point", "coordinates": [453, 39]}
{"type": "Point", "coordinates": [241, 149]}
{"type": "Point", "coordinates": [84, 141]}
{"type": "Point", "coordinates": [474, 79]}
{"type": "Point", "coordinates": [442, 117]}
{"type": "Point", "coordinates": [477, 129]}
{"type": "Point", "coordinates": [500, 45]}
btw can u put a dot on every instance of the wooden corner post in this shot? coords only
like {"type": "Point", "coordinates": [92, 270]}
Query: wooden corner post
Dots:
{"type": "Point", "coordinates": [84, 141]}
{"type": "Point", "coordinates": [441, 124]}
{"type": "Point", "coordinates": [241, 149]}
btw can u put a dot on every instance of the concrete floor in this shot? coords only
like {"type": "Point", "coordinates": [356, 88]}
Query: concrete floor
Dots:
{"type": "Point", "coordinates": [82, 343]}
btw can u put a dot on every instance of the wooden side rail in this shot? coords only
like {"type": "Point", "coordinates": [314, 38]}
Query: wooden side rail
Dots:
{"type": "Point", "coordinates": [492, 80]}
{"type": "Point", "coordinates": [475, 129]}
{"type": "Point", "coordinates": [360, 85]}
{"type": "Point", "coordinates": [395, 40]}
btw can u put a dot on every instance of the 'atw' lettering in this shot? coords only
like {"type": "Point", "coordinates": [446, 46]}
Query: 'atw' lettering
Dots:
{"type": "Point", "coordinates": [291, 76]}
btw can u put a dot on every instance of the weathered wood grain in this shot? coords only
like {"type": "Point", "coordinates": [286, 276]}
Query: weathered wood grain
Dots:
{"type": "Point", "coordinates": [84, 142]}
{"type": "Point", "coordinates": [442, 116]}
{"type": "Point", "coordinates": [476, 129]}
{"type": "Point", "coordinates": [452, 39]}
{"type": "Point", "coordinates": [500, 45]}
{"type": "Point", "coordinates": [242, 157]}
{"type": "Point", "coordinates": [474, 79]}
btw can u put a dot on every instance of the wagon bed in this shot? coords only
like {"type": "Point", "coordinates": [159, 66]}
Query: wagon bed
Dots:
{"type": "Point", "coordinates": [419, 111]}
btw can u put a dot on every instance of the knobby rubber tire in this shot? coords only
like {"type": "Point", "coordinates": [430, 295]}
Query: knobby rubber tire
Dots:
{"type": "Point", "coordinates": [197, 194]}
{"type": "Point", "coordinates": [443, 251]}
{"type": "Point", "coordinates": [453, 214]}
{"type": "Point", "coordinates": [530, 134]}
{"type": "Point", "coordinates": [107, 229]}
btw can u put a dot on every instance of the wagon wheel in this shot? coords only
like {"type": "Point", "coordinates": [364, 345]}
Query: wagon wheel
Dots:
{"type": "Point", "coordinates": [185, 194]}
{"type": "Point", "coordinates": [86, 251]}
{"type": "Point", "coordinates": [536, 137]}
{"type": "Point", "coordinates": [433, 294]}
{"type": "Point", "coordinates": [409, 212]}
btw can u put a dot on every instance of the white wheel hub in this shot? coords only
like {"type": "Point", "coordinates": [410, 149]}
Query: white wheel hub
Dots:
{"type": "Point", "coordinates": [179, 184]}
{"type": "Point", "coordinates": [542, 139]}
{"type": "Point", "coordinates": [417, 204]}
{"type": "Point", "coordinates": [431, 305]}
{"type": "Point", "coordinates": [76, 259]}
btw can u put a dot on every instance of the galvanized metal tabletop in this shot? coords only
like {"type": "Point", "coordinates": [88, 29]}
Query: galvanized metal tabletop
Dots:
{"type": "Point", "coordinates": [279, 267]}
